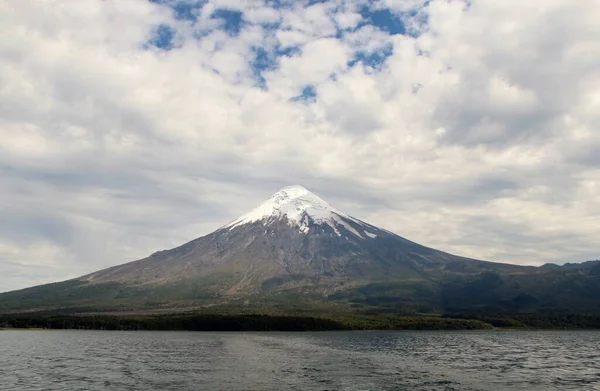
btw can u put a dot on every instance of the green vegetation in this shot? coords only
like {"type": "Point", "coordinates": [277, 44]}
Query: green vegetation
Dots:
{"type": "Point", "coordinates": [554, 321]}
{"type": "Point", "coordinates": [219, 322]}
{"type": "Point", "coordinates": [171, 322]}
{"type": "Point", "coordinates": [543, 298]}
{"type": "Point", "coordinates": [271, 322]}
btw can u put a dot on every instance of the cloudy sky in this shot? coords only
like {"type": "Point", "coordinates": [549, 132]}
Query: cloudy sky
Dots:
{"type": "Point", "coordinates": [130, 126]}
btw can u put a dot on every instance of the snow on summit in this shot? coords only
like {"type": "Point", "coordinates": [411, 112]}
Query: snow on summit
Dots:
{"type": "Point", "coordinates": [300, 207]}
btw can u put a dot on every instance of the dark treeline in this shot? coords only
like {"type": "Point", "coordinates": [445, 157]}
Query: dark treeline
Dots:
{"type": "Point", "coordinates": [230, 322]}
{"type": "Point", "coordinates": [535, 320]}
{"type": "Point", "coordinates": [172, 322]}
{"type": "Point", "coordinates": [227, 322]}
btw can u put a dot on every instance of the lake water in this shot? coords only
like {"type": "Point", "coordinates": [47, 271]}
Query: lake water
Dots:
{"type": "Point", "coordinates": [112, 360]}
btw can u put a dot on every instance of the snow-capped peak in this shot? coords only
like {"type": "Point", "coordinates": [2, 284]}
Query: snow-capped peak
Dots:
{"type": "Point", "coordinates": [294, 203]}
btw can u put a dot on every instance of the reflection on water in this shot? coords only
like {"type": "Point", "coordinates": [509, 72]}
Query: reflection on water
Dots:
{"type": "Point", "coordinates": [102, 360]}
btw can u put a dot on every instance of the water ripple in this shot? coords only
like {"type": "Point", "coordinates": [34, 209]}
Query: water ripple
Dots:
{"type": "Point", "coordinates": [353, 361]}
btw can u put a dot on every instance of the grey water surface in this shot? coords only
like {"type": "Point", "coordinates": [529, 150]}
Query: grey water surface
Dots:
{"type": "Point", "coordinates": [113, 360]}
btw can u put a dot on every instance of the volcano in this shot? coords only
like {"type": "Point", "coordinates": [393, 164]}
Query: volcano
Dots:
{"type": "Point", "coordinates": [293, 236]}
{"type": "Point", "coordinates": [295, 247]}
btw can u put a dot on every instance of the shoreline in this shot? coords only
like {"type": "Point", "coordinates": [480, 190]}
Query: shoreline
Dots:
{"type": "Point", "coordinates": [10, 329]}
{"type": "Point", "coordinates": [282, 323]}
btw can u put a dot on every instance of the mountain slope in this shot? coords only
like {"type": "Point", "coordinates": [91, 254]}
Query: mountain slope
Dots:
{"type": "Point", "coordinates": [294, 247]}
{"type": "Point", "coordinates": [293, 234]}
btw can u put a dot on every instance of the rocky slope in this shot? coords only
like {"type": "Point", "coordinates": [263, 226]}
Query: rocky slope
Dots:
{"type": "Point", "coordinates": [293, 237]}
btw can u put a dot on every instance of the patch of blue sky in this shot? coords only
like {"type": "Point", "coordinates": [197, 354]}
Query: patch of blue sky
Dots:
{"type": "Point", "coordinates": [232, 20]}
{"type": "Point", "coordinates": [270, 26]}
{"type": "Point", "coordinates": [384, 19]}
{"type": "Point", "coordinates": [265, 61]}
{"type": "Point", "coordinates": [162, 37]}
{"type": "Point", "coordinates": [308, 94]}
{"type": "Point", "coordinates": [288, 51]}
{"type": "Point", "coordinates": [182, 9]}
{"type": "Point", "coordinates": [375, 59]}
{"type": "Point", "coordinates": [308, 3]}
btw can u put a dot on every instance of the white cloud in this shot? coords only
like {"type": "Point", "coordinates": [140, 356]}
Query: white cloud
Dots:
{"type": "Point", "coordinates": [317, 60]}
{"type": "Point", "coordinates": [262, 15]}
{"type": "Point", "coordinates": [314, 21]}
{"type": "Point", "coordinates": [476, 136]}
{"type": "Point", "coordinates": [347, 20]}
{"type": "Point", "coordinates": [292, 38]}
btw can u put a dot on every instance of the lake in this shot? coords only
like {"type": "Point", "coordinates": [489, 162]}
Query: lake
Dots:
{"type": "Point", "coordinates": [482, 360]}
